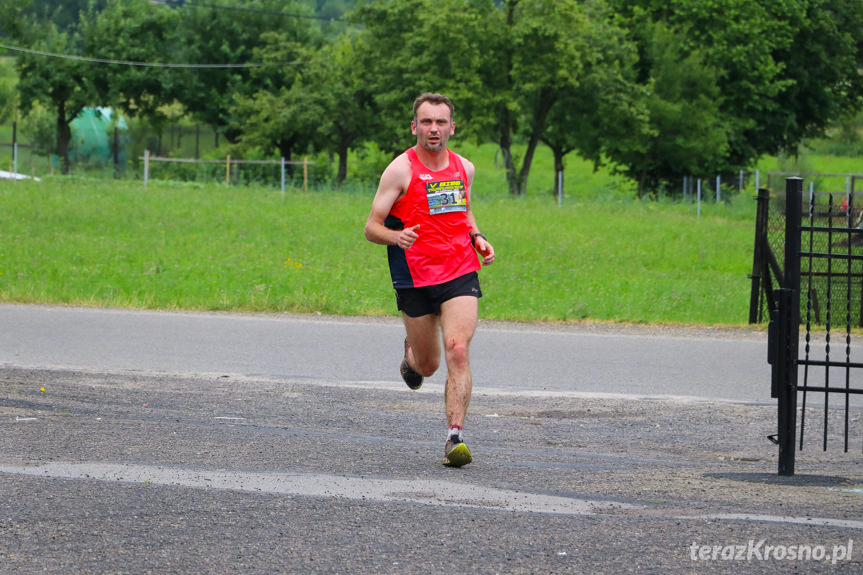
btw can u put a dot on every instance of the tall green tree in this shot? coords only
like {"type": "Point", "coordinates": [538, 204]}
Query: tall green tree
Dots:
{"type": "Point", "coordinates": [823, 68]}
{"type": "Point", "coordinates": [786, 68]}
{"type": "Point", "coordinates": [124, 30]}
{"type": "Point", "coordinates": [59, 84]}
{"type": "Point", "coordinates": [229, 33]}
{"type": "Point", "coordinates": [285, 112]}
{"type": "Point", "coordinates": [408, 47]}
{"type": "Point", "coordinates": [141, 34]}
{"type": "Point", "coordinates": [542, 52]}
{"type": "Point", "coordinates": [320, 101]}
{"type": "Point", "coordinates": [687, 133]}
{"type": "Point", "coordinates": [505, 64]}
{"type": "Point", "coordinates": [606, 106]}
{"type": "Point", "coordinates": [345, 101]}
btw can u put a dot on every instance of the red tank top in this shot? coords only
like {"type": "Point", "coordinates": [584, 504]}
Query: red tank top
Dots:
{"type": "Point", "coordinates": [437, 201]}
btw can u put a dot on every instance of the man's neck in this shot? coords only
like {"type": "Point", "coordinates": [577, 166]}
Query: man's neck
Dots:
{"type": "Point", "coordinates": [435, 161]}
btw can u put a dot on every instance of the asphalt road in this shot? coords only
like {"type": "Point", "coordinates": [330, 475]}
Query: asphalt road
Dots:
{"type": "Point", "coordinates": [143, 442]}
{"type": "Point", "coordinates": [701, 363]}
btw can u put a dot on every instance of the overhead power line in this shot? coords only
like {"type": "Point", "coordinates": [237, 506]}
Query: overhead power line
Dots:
{"type": "Point", "coordinates": [130, 63]}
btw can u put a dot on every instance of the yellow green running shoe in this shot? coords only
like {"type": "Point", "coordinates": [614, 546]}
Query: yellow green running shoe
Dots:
{"type": "Point", "coordinates": [457, 453]}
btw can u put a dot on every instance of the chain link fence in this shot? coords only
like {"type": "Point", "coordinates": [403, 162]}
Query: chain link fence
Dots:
{"type": "Point", "coordinates": [834, 285]}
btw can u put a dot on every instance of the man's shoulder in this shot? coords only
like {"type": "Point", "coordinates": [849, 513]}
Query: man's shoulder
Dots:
{"type": "Point", "coordinates": [402, 160]}
{"type": "Point", "coordinates": [398, 169]}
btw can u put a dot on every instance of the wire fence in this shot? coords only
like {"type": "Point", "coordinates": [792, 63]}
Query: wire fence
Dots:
{"type": "Point", "coordinates": [186, 153]}
{"type": "Point", "coordinates": [232, 167]}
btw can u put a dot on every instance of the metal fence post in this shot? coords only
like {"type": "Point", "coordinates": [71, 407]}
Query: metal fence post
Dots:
{"type": "Point", "coordinates": [15, 151]}
{"type": "Point", "coordinates": [283, 177]}
{"type": "Point", "coordinates": [789, 327]}
{"type": "Point", "coordinates": [699, 197]}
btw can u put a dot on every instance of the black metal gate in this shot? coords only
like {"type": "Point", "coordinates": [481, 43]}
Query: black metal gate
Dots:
{"type": "Point", "coordinates": [820, 286]}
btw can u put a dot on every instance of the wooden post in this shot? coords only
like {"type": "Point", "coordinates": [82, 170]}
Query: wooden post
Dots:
{"type": "Point", "coordinates": [228, 170]}
{"type": "Point", "coordinates": [305, 174]}
{"type": "Point", "coordinates": [146, 167]}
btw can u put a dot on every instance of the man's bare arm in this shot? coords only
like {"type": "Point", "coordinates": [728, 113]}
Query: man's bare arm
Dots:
{"type": "Point", "coordinates": [393, 185]}
{"type": "Point", "coordinates": [481, 245]}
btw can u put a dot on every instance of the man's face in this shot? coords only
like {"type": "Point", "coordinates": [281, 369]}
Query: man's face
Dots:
{"type": "Point", "coordinates": [433, 126]}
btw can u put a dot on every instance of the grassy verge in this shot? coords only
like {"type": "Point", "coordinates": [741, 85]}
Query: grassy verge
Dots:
{"type": "Point", "coordinates": [170, 246]}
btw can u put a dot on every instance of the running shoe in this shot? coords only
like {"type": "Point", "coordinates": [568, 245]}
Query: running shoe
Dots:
{"type": "Point", "coordinates": [413, 378]}
{"type": "Point", "coordinates": [457, 453]}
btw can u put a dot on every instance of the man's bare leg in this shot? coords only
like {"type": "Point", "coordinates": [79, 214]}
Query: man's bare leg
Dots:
{"type": "Point", "coordinates": [458, 321]}
{"type": "Point", "coordinates": [455, 327]}
{"type": "Point", "coordinates": [423, 334]}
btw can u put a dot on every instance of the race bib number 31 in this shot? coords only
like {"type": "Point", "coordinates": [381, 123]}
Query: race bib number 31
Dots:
{"type": "Point", "coordinates": [447, 196]}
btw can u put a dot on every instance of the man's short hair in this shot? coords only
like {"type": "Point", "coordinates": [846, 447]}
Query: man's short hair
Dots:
{"type": "Point", "coordinates": [436, 99]}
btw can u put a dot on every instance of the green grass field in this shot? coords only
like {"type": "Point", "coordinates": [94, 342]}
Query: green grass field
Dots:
{"type": "Point", "coordinates": [208, 247]}
{"type": "Point", "coordinates": [602, 256]}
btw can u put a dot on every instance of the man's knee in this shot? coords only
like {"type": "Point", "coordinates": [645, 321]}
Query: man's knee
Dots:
{"type": "Point", "coordinates": [426, 364]}
{"type": "Point", "coordinates": [457, 353]}
{"type": "Point", "coordinates": [428, 367]}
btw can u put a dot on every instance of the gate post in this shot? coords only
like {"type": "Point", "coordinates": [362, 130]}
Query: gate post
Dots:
{"type": "Point", "coordinates": [789, 326]}
{"type": "Point", "coordinates": [784, 380]}
{"type": "Point", "coordinates": [759, 256]}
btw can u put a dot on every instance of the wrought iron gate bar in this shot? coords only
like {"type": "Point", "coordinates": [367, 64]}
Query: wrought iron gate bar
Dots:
{"type": "Point", "coordinates": [834, 229]}
{"type": "Point", "coordinates": [829, 389]}
{"type": "Point", "coordinates": [825, 274]}
{"type": "Point", "coordinates": [827, 363]}
{"type": "Point", "coordinates": [831, 256]}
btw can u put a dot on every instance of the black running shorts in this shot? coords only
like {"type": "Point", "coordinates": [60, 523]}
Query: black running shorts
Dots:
{"type": "Point", "coordinates": [426, 300]}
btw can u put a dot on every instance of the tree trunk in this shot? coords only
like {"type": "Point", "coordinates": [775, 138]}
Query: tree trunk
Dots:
{"type": "Point", "coordinates": [526, 163]}
{"type": "Point", "coordinates": [545, 101]}
{"type": "Point", "coordinates": [64, 137]}
{"type": "Point", "coordinates": [506, 115]}
{"type": "Point", "coordinates": [285, 147]}
{"type": "Point", "coordinates": [343, 166]}
{"type": "Point", "coordinates": [506, 149]}
{"type": "Point", "coordinates": [343, 160]}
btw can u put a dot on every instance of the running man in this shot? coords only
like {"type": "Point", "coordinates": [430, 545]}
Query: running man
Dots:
{"type": "Point", "coordinates": [422, 213]}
